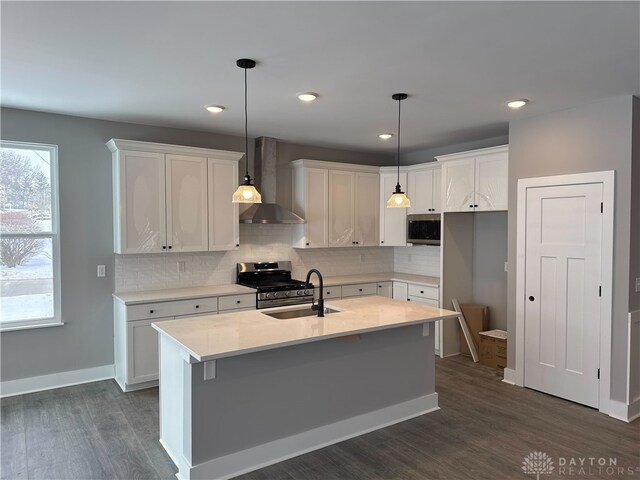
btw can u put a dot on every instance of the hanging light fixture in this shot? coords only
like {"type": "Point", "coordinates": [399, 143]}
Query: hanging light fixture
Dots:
{"type": "Point", "coordinates": [246, 192]}
{"type": "Point", "coordinates": [398, 199]}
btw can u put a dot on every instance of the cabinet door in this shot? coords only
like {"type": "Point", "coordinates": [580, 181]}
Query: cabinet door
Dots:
{"type": "Point", "coordinates": [385, 289]}
{"type": "Point", "coordinates": [142, 345]}
{"type": "Point", "coordinates": [224, 227]}
{"type": "Point", "coordinates": [492, 182]}
{"type": "Point", "coordinates": [316, 208]}
{"type": "Point", "coordinates": [141, 208]}
{"type": "Point", "coordinates": [420, 191]}
{"type": "Point", "coordinates": [436, 203]}
{"type": "Point", "coordinates": [341, 209]}
{"type": "Point", "coordinates": [400, 291]}
{"type": "Point", "coordinates": [187, 204]}
{"type": "Point", "coordinates": [458, 184]}
{"type": "Point", "coordinates": [367, 210]}
{"type": "Point", "coordinates": [393, 221]}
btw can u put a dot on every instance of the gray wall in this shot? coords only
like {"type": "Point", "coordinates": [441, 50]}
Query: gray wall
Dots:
{"type": "Point", "coordinates": [428, 154]}
{"type": "Point", "coordinates": [489, 255]}
{"type": "Point", "coordinates": [86, 339]}
{"type": "Point", "coordinates": [594, 137]}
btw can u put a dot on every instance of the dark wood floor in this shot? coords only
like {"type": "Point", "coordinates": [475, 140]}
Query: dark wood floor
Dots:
{"type": "Point", "coordinates": [483, 431]}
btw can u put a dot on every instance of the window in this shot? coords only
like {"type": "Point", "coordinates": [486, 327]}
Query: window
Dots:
{"type": "Point", "coordinates": [29, 240]}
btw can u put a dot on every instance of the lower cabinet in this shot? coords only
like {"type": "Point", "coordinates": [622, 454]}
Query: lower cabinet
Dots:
{"type": "Point", "coordinates": [425, 295]}
{"type": "Point", "coordinates": [136, 342]}
{"type": "Point", "coordinates": [385, 289]}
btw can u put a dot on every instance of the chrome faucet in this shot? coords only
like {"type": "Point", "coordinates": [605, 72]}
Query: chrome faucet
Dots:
{"type": "Point", "coordinates": [320, 306]}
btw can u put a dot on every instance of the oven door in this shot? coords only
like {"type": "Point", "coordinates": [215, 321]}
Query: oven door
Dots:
{"type": "Point", "coordinates": [423, 229]}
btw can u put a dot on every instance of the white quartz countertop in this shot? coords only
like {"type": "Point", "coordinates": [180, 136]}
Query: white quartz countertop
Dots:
{"type": "Point", "coordinates": [171, 294]}
{"type": "Point", "coordinates": [219, 336]}
{"type": "Point", "coordinates": [379, 277]}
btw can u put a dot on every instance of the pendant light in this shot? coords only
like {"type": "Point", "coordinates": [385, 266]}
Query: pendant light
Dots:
{"type": "Point", "coordinates": [246, 192]}
{"type": "Point", "coordinates": [398, 199]}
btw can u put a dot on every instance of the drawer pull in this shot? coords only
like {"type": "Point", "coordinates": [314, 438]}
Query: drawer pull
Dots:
{"type": "Point", "coordinates": [421, 291]}
{"type": "Point", "coordinates": [197, 306]}
{"type": "Point", "coordinates": [238, 301]}
{"type": "Point", "coordinates": [360, 289]}
{"type": "Point", "coordinates": [328, 292]}
{"type": "Point", "coordinates": [408, 299]}
{"type": "Point", "coordinates": [150, 311]}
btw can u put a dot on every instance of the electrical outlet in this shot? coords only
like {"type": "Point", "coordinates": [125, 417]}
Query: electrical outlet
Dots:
{"type": "Point", "coordinates": [102, 270]}
{"type": "Point", "coordinates": [638, 285]}
{"type": "Point", "coordinates": [362, 258]}
{"type": "Point", "coordinates": [181, 267]}
{"type": "Point", "coordinates": [506, 266]}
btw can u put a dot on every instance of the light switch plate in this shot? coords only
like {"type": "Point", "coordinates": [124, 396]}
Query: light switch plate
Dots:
{"type": "Point", "coordinates": [181, 267]}
{"type": "Point", "coordinates": [102, 271]}
{"type": "Point", "coordinates": [506, 266]}
{"type": "Point", "coordinates": [638, 285]}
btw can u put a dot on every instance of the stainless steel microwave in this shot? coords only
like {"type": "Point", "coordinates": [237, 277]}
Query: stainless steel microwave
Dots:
{"type": "Point", "coordinates": [423, 229]}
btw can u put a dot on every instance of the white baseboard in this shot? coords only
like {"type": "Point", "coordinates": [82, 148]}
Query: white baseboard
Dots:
{"type": "Point", "coordinates": [509, 376]}
{"type": "Point", "coordinates": [20, 386]}
{"type": "Point", "coordinates": [282, 449]}
{"type": "Point", "coordinates": [622, 411]}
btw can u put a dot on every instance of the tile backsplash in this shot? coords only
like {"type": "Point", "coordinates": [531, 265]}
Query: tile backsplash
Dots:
{"type": "Point", "coordinates": [257, 242]}
{"type": "Point", "coordinates": [419, 260]}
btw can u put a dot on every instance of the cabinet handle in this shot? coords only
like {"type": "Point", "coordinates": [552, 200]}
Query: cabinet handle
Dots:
{"type": "Point", "coordinates": [170, 247]}
{"type": "Point", "coordinates": [150, 311]}
{"type": "Point", "coordinates": [381, 241]}
{"type": "Point", "coordinates": [238, 301]}
{"type": "Point", "coordinates": [470, 206]}
{"type": "Point", "coordinates": [421, 291]}
{"type": "Point", "coordinates": [197, 306]}
{"type": "Point", "coordinates": [307, 244]}
{"type": "Point", "coordinates": [360, 289]}
{"type": "Point", "coordinates": [328, 293]}
{"type": "Point", "coordinates": [379, 286]}
{"type": "Point", "coordinates": [237, 244]}
{"type": "Point", "coordinates": [164, 247]}
{"type": "Point", "coordinates": [476, 206]}
{"type": "Point", "coordinates": [531, 298]}
{"type": "Point", "coordinates": [408, 299]}
{"type": "Point", "coordinates": [353, 243]}
{"type": "Point", "coordinates": [357, 243]}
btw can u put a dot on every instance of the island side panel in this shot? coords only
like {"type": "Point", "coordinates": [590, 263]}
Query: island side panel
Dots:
{"type": "Point", "coordinates": [264, 396]}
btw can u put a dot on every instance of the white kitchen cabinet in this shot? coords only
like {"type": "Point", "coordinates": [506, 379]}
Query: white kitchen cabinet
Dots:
{"type": "Point", "coordinates": [423, 188]}
{"type": "Point", "coordinates": [367, 215]}
{"type": "Point", "coordinates": [161, 197]}
{"type": "Point", "coordinates": [142, 351]}
{"type": "Point", "coordinates": [385, 289]}
{"type": "Point", "coordinates": [186, 200]}
{"type": "Point", "coordinates": [359, 290]}
{"type": "Point", "coordinates": [311, 202]}
{"type": "Point", "coordinates": [224, 228]}
{"type": "Point", "coordinates": [339, 202]}
{"type": "Point", "coordinates": [341, 208]}
{"type": "Point", "coordinates": [400, 291]}
{"type": "Point", "coordinates": [393, 221]}
{"type": "Point", "coordinates": [139, 195]}
{"type": "Point", "coordinates": [475, 180]}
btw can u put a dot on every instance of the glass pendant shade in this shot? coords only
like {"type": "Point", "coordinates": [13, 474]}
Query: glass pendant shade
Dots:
{"type": "Point", "coordinates": [398, 199]}
{"type": "Point", "coordinates": [246, 193]}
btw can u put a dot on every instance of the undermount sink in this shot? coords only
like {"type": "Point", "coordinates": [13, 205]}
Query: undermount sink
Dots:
{"type": "Point", "coordinates": [299, 313]}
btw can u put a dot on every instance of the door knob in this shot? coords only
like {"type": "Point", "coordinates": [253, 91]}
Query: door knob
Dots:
{"type": "Point", "coordinates": [531, 299]}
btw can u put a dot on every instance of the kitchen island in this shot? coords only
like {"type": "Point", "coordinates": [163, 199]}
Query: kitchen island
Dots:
{"type": "Point", "coordinates": [243, 390]}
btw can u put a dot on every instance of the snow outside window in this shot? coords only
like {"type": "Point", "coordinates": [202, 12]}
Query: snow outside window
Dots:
{"type": "Point", "coordinates": [29, 236]}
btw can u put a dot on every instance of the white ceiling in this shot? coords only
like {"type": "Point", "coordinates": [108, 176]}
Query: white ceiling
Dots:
{"type": "Point", "coordinates": [159, 63]}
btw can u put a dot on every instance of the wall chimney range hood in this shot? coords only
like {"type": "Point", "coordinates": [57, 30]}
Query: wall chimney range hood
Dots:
{"type": "Point", "coordinates": [267, 212]}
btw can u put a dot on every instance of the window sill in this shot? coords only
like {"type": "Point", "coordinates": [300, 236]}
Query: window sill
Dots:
{"type": "Point", "coordinates": [16, 327]}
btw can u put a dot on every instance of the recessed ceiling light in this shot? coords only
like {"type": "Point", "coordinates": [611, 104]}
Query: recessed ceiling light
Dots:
{"type": "Point", "coordinates": [214, 108]}
{"type": "Point", "coordinates": [307, 96]}
{"type": "Point", "coordinates": [385, 136]}
{"type": "Point", "coordinates": [515, 104]}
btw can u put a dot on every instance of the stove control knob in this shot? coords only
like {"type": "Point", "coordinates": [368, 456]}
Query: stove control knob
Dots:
{"type": "Point", "coordinates": [269, 295]}
{"type": "Point", "coordinates": [307, 292]}
{"type": "Point", "coordinates": [300, 292]}
{"type": "Point", "coordinates": [288, 294]}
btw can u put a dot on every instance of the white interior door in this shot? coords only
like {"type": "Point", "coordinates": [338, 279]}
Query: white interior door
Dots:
{"type": "Point", "coordinates": [562, 288]}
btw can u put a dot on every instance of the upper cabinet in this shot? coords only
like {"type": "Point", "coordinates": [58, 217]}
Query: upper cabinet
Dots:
{"type": "Point", "coordinates": [475, 181]}
{"type": "Point", "coordinates": [423, 188]}
{"type": "Point", "coordinates": [169, 198]}
{"type": "Point", "coordinates": [339, 202]}
{"type": "Point", "coordinates": [393, 221]}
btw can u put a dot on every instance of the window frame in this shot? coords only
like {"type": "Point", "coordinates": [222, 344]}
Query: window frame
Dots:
{"type": "Point", "coordinates": [54, 235]}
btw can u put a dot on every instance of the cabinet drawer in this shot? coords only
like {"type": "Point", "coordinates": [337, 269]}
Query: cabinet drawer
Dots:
{"type": "Point", "coordinates": [359, 289]}
{"type": "Point", "coordinates": [332, 292]}
{"type": "Point", "coordinates": [172, 309]}
{"type": "Point", "coordinates": [424, 301]}
{"type": "Point", "coordinates": [423, 292]}
{"type": "Point", "coordinates": [235, 302]}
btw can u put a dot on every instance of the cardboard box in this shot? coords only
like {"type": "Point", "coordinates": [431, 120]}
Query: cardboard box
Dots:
{"type": "Point", "coordinates": [493, 348]}
{"type": "Point", "coordinates": [477, 317]}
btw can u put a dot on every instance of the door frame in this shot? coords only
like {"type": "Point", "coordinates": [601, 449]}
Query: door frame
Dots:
{"type": "Point", "coordinates": [607, 179]}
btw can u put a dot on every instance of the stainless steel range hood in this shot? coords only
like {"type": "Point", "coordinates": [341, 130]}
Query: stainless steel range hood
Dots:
{"type": "Point", "coordinates": [267, 212]}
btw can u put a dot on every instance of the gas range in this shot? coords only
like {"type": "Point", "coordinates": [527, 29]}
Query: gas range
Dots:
{"type": "Point", "coordinates": [274, 284]}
